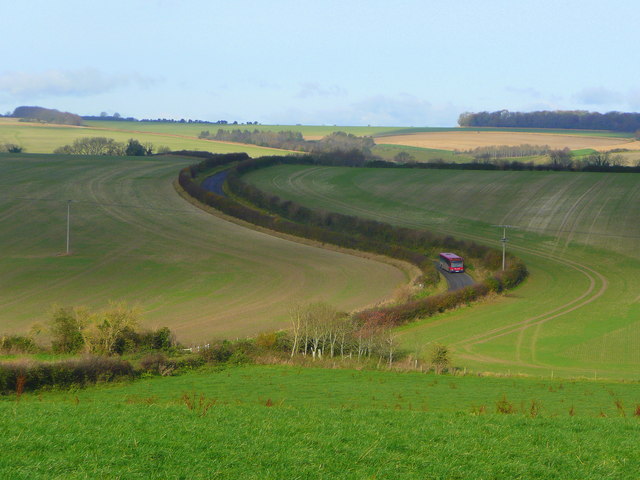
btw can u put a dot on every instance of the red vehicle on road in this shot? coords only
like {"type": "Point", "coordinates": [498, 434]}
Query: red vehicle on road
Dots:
{"type": "Point", "coordinates": [450, 262]}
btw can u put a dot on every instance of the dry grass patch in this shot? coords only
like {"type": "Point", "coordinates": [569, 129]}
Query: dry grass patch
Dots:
{"type": "Point", "coordinates": [466, 140]}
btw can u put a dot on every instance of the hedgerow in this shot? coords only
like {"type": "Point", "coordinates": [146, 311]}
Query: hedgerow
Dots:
{"type": "Point", "coordinates": [415, 246]}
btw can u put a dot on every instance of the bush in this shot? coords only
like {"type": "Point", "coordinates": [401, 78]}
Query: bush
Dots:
{"type": "Point", "coordinates": [17, 344]}
{"type": "Point", "coordinates": [11, 148]}
{"type": "Point", "coordinates": [153, 362]}
{"type": "Point", "coordinates": [62, 374]}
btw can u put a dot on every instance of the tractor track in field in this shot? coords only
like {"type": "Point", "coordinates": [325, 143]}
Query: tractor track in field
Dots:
{"type": "Point", "coordinates": [296, 183]}
{"type": "Point", "coordinates": [159, 228]}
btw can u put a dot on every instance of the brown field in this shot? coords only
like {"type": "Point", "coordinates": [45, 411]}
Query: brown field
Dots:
{"type": "Point", "coordinates": [466, 140]}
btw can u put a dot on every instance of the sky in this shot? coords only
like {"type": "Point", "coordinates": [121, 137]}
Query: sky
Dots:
{"type": "Point", "coordinates": [322, 62]}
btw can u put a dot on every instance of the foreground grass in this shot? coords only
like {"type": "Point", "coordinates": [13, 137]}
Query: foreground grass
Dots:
{"type": "Point", "coordinates": [286, 422]}
{"type": "Point", "coordinates": [578, 312]}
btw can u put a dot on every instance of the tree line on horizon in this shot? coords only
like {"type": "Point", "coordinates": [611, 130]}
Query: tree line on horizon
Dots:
{"type": "Point", "coordinates": [359, 148]}
{"type": "Point", "coordinates": [565, 119]}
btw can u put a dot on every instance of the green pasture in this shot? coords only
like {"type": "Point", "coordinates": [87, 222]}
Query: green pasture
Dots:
{"type": "Point", "coordinates": [420, 155]}
{"type": "Point", "coordinates": [287, 422]}
{"type": "Point", "coordinates": [579, 312]}
{"type": "Point", "coordinates": [35, 138]}
{"type": "Point", "coordinates": [134, 239]}
{"type": "Point", "coordinates": [194, 129]}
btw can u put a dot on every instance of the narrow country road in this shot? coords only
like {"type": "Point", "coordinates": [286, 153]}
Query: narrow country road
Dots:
{"type": "Point", "coordinates": [214, 183]}
{"type": "Point", "coordinates": [456, 281]}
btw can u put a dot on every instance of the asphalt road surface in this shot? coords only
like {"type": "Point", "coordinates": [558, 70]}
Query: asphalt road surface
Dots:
{"type": "Point", "coordinates": [456, 281]}
{"type": "Point", "coordinates": [214, 182]}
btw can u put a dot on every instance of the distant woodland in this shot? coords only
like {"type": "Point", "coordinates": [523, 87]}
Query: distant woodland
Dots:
{"type": "Point", "coordinates": [47, 115]}
{"type": "Point", "coordinates": [571, 119]}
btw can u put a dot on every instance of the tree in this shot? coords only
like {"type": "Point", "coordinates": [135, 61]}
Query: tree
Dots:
{"type": "Point", "coordinates": [109, 325]}
{"type": "Point", "coordinates": [440, 357]}
{"type": "Point", "coordinates": [404, 157]}
{"type": "Point", "coordinates": [67, 328]}
{"type": "Point", "coordinates": [561, 159]}
{"type": "Point", "coordinates": [92, 146]}
{"type": "Point", "coordinates": [135, 148]}
{"type": "Point", "coordinates": [12, 148]}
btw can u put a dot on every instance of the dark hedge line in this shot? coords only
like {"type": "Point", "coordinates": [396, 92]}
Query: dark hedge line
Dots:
{"type": "Point", "coordinates": [506, 165]}
{"type": "Point", "coordinates": [415, 246]}
{"type": "Point", "coordinates": [18, 377]}
{"type": "Point", "coordinates": [426, 307]}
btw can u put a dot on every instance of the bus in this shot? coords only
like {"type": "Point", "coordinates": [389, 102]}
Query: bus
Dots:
{"type": "Point", "coordinates": [450, 262]}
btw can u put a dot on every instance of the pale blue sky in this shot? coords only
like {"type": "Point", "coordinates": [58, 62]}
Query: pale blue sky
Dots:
{"type": "Point", "coordinates": [408, 63]}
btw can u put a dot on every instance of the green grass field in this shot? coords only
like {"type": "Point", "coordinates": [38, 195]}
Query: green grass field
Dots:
{"type": "Point", "coordinates": [39, 138]}
{"type": "Point", "coordinates": [289, 422]}
{"type": "Point", "coordinates": [579, 312]}
{"type": "Point", "coordinates": [195, 129]}
{"type": "Point", "coordinates": [134, 239]}
{"type": "Point", "coordinates": [388, 152]}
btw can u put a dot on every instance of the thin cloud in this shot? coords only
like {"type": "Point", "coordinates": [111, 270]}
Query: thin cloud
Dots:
{"type": "Point", "coordinates": [525, 91]}
{"type": "Point", "coordinates": [599, 96]}
{"type": "Point", "coordinates": [74, 83]}
{"type": "Point", "coordinates": [312, 89]}
{"type": "Point", "coordinates": [380, 110]}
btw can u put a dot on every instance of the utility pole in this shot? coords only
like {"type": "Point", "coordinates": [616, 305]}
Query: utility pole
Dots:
{"type": "Point", "coordinates": [68, 224]}
{"type": "Point", "coordinates": [504, 241]}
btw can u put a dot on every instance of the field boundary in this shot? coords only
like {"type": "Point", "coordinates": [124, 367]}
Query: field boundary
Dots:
{"type": "Point", "coordinates": [411, 272]}
{"type": "Point", "coordinates": [371, 236]}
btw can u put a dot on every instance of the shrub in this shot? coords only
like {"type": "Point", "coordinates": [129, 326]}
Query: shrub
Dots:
{"type": "Point", "coordinates": [153, 362]}
{"type": "Point", "coordinates": [62, 374]}
{"type": "Point", "coordinates": [17, 344]}
{"type": "Point", "coordinates": [11, 148]}
{"type": "Point", "coordinates": [67, 327]}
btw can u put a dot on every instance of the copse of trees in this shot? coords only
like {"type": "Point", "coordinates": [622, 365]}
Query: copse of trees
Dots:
{"type": "Point", "coordinates": [105, 146]}
{"type": "Point", "coordinates": [112, 331]}
{"type": "Point", "coordinates": [289, 140]}
{"type": "Point", "coordinates": [568, 119]}
{"type": "Point", "coordinates": [46, 115]}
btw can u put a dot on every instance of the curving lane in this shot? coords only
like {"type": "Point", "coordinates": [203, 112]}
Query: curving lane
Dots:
{"type": "Point", "coordinates": [456, 281]}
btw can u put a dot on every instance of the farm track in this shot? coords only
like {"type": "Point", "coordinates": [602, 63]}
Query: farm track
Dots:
{"type": "Point", "coordinates": [597, 282]}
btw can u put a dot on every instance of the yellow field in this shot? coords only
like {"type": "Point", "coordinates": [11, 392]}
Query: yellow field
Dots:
{"type": "Point", "coordinates": [468, 140]}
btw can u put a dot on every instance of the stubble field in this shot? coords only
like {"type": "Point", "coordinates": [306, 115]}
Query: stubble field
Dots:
{"type": "Point", "coordinates": [468, 140]}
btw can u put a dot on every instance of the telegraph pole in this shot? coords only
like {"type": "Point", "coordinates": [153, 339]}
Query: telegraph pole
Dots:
{"type": "Point", "coordinates": [504, 241]}
{"type": "Point", "coordinates": [68, 224]}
